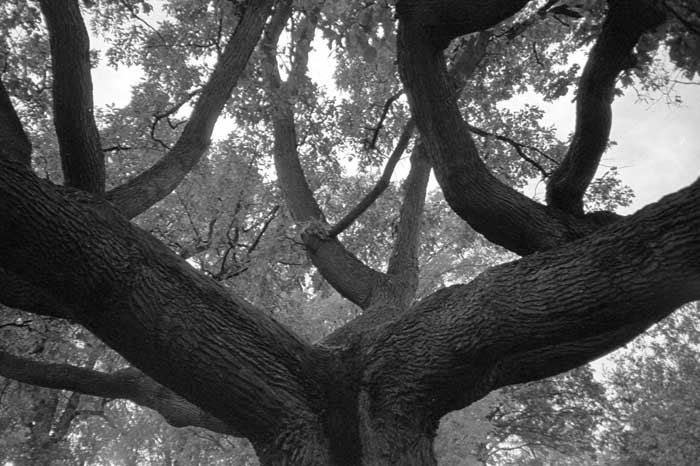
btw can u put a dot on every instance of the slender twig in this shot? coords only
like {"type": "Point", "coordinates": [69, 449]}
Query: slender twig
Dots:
{"type": "Point", "coordinates": [372, 143]}
{"type": "Point", "coordinates": [158, 116]}
{"type": "Point", "coordinates": [518, 146]}
{"type": "Point", "coordinates": [381, 184]}
{"type": "Point", "coordinates": [136, 16]}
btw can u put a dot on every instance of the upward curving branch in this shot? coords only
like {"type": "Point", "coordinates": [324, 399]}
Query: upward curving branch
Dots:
{"type": "Point", "coordinates": [612, 53]}
{"type": "Point", "coordinates": [138, 194]}
{"type": "Point", "coordinates": [505, 216]}
{"type": "Point", "coordinates": [78, 140]}
{"type": "Point", "coordinates": [347, 274]}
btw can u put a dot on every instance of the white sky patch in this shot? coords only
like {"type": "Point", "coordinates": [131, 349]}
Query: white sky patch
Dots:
{"type": "Point", "coordinates": [658, 145]}
{"type": "Point", "coordinates": [111, 86]}
{"type": "Point", "coordinates": [322, 66]}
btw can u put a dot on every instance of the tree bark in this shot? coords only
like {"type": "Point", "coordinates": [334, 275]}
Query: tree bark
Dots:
{"type": "Point", "coordinates": [503, 215]}
{"type": "Point", "coordinates": [122, 282]}
{"type": "Point", "coordinates": [543, 314]}
{"type": "Point", "coordinates": [79, 142]}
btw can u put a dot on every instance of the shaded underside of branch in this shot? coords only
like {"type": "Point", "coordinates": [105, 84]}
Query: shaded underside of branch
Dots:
{"type": "Point", "coordinates": [129, 384]}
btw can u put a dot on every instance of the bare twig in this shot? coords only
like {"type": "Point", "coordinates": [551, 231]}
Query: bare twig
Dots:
{"type": "Point", "coordinates": [372, 143]}
{"type": "Point", "coordinates": [518, 146]}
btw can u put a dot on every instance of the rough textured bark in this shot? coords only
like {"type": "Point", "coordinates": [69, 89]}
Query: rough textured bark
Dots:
{"type": "Point", "coordinates": [543, 314]}
{"type": "Point", "coordinates": [79, 142]}
{"type": "Point", "coordinates": [403, 263]}
{"type": "Point", "coordinates": [140, 193]}
{"type": "Point", "coordinates": [135, 279]}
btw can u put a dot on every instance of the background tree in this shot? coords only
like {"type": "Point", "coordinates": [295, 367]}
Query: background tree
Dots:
{"type": "Point", "coordinates": [222, 345]}
{"type": "Point", "coordinates": [653, 385]}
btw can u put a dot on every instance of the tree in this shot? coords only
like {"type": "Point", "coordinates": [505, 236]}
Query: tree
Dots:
{"type": "Point", "coordinates": [373, 390]}
{"type": "Point", "coordinates": [654, 388]}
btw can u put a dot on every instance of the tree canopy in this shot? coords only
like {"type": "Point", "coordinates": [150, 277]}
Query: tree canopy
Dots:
{"type": "Point", "coordinates": [273, 283]}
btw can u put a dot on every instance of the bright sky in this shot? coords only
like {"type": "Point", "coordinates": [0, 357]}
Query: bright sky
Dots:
{"type": "Point", "coordinates": [658, 145]}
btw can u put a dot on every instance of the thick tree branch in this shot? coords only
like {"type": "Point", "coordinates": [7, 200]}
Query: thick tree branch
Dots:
{"type": "Point", "coordinates": [128, 384]}
{"type": "Point", "coordinates": [154, 309]}
{"type": "Point", "coordinates": [347, 274]}
{"type": "Point", "coordinates": [444, 20]}
{"type": "Point", "coordinates": [552, 360]}
{"type": "Point", "coordinates": [545, 313]}
{"type": "Point", "coordinates": [79, 142]}
{"type": "Point", "coordinates": [612, 53]}
{"type": "Point", "coordinates": [403, 262]}
{"type": "Point", "coordinates": [154, 184]}
{"type": "Point", "coordinates": [465, 64]}
{"type": "Point", "coordinates": [505, 216]}
{"type": "Point", "coordinates": [14, 143]}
